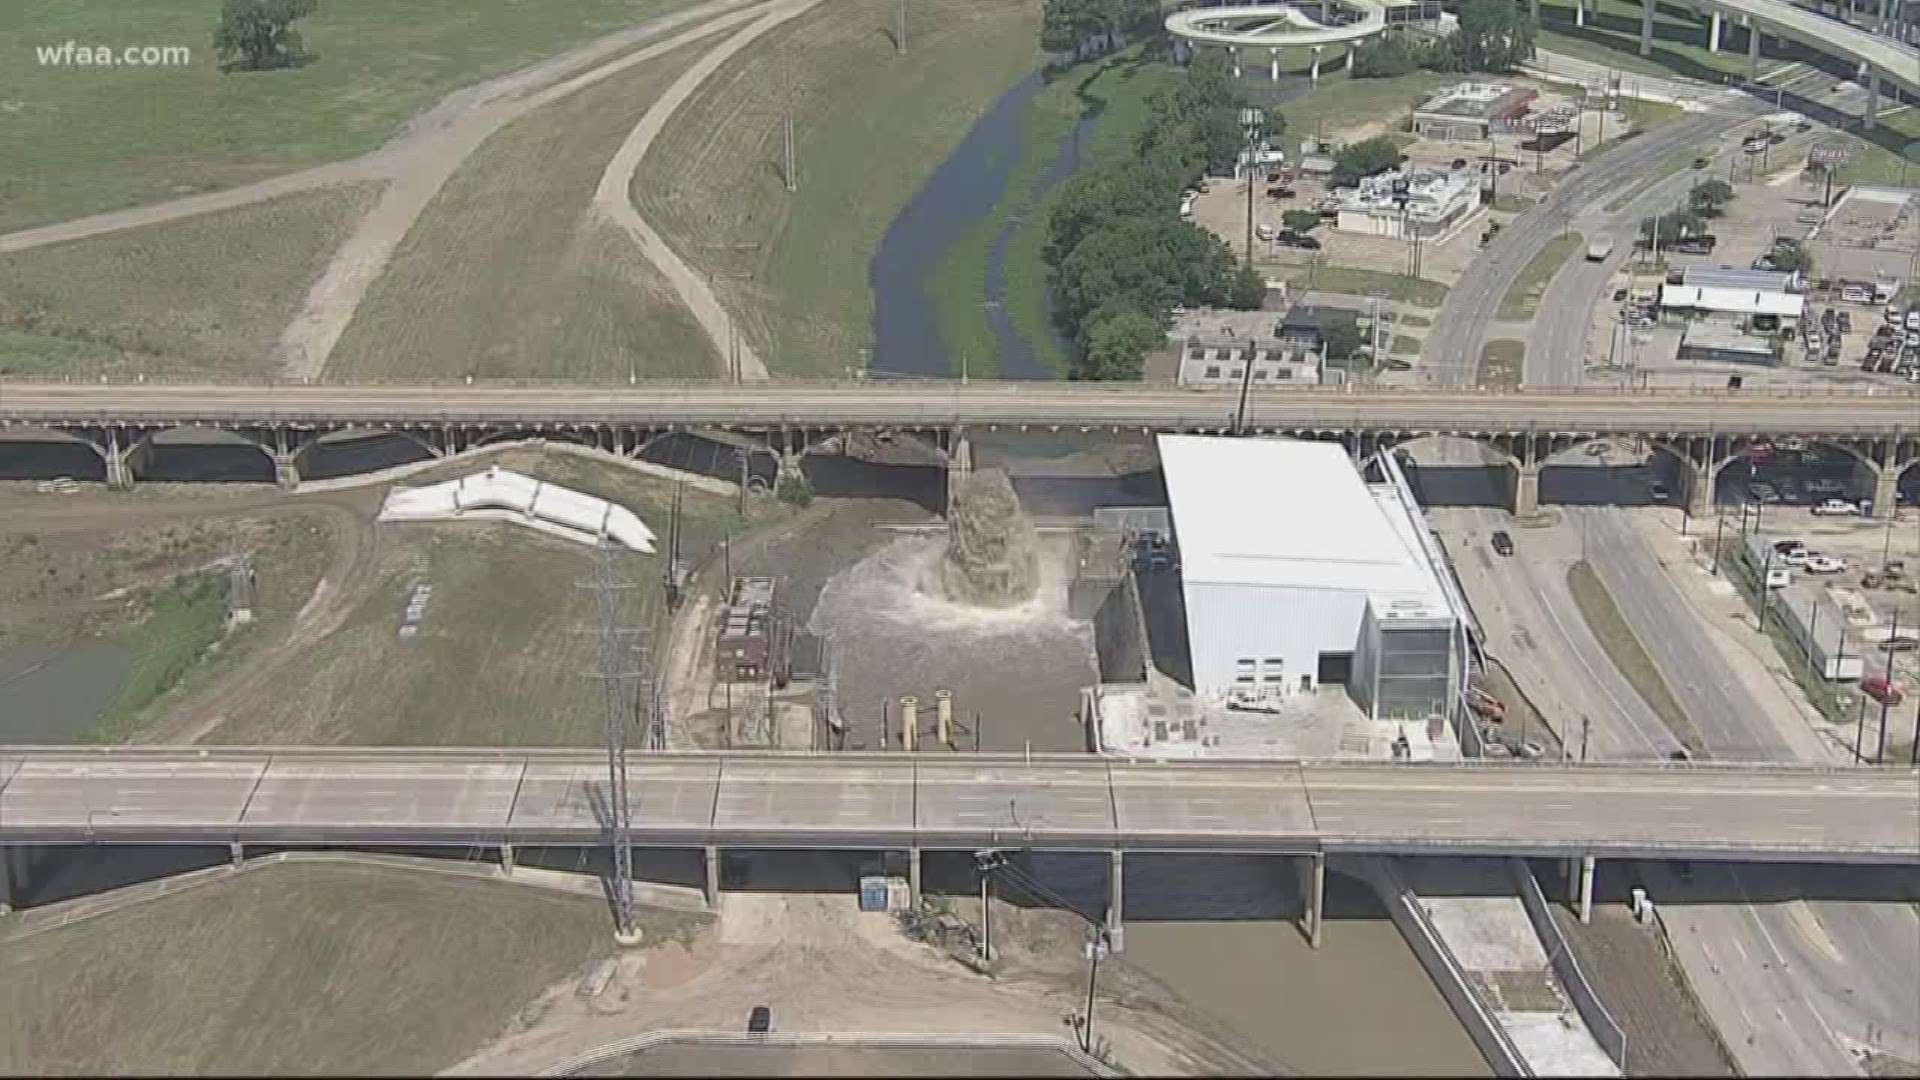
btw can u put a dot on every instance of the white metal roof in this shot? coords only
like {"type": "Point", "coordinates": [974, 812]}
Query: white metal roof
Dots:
{"type": "Point", "coordinates": [1740, 301]}
{"type": "Point", "coordinates": [1288, 513]}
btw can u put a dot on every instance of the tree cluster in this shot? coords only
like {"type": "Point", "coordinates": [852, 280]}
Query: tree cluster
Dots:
{"type": "Point", "coordinates": [258, 35]}
{"type": "Point", "coordinates": [1120, 255]}
{"type": "Point", "coordinates": [1364, 158]}
{"type": "Point", "coordinates": [1707, 199]}
{"type": "Point", "coordinates": [1494, 35]}
{"type": "Point", "coordinates": [1067, 25]}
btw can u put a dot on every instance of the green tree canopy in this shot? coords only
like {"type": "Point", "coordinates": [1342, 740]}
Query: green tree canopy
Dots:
{"type": "Point", "coordinates": [1118, 341]}
{"type": "Point", "coordinates": [1708, 197]}
{"type": "Point", "coordinates": [1066, 24]}
{"type": "Point", "coordinates": [1494, 35]}
{"type": "Point", "coordinates": [258, 35]}
{"type": "Point", "coordinates": [1300, 221]}
{"type": "Point", "coordinates": [1364, 158]}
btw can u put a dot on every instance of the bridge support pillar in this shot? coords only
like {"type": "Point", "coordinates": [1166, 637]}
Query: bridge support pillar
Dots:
{"type": "Point", "coordinates": [1873, 100]}
{"type": "Point", "coordinates": [1646, 27]}
{"type": "Point", "coordinates": [6, 880]}
{"type": "Point", "coordinates": [1533, 10]}
{"type": "Point", "coordinates": [1273, 64]}
{"type": "Point", "coordinates": [1314, 75]}
{"type": "Point", "coordinates": [1753, 50]}
{"type": "Point", "coordinates": [1713, 33]}
{"type": "Point", "coordinates": [1584, 896]}
{"type": "Point", "coordinates": [285, 472]}
{"type": "Point", "coordinates": [1579, 12]}
{"type": "Point", "coordinates": [1700, 477]}
{"type": "Point", "coordinates": [1314, 886]}
{"type": "Point", "coordinates": [913, 878]}
{"type": "Point", "coordinates": [959, 464]}
{"type": "Point", "coordinates": [1234, 51]}
{"type": "Point", "coordinates": [506, 859]}
{"type": "Point", "coordinates": [713, 877]}
{"type": "Point", "coordinates": [237, 851]}
{"type": "Point", "coordinates": [1349, 64]}
{"type": "Point", "coordinates": [1116, 892]}
{"type": "Point", "coordinates": [1526, 490]}
{"type": "Point", "coordinates": [1886, 487]}
{"type": "Point", "coordinates": [119, 465]}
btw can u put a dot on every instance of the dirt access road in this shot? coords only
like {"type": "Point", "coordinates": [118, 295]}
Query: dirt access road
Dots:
{"type": "Point", "coordinates": [821, 965]}
{"type": "Point", "coordinates": [352, 571]}
{"type": "Point", "coordinates": [415, 163]}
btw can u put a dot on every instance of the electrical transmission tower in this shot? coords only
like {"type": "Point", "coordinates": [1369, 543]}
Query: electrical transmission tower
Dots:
{"type": "Point", "coordinates": [621, 664]}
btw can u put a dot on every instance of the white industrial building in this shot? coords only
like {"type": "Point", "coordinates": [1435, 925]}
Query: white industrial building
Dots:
{"type": "Point", "coordinates": [1297, 571]}
{"type": "Point", "coordinates": [1436, 201]}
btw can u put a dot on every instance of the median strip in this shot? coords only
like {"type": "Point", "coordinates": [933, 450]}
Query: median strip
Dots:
{"type": "Point", "coordinates": [1628, 656]}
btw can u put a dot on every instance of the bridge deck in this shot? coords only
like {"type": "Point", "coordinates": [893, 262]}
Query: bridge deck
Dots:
{"type": "Point", "coordinates": [958, 801]}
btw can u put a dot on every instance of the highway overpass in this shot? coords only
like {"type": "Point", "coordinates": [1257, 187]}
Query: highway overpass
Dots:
{"type": "Point", "coordinates": [320, 796]}
{"type": "Point", "coordinates": [1704, 430]}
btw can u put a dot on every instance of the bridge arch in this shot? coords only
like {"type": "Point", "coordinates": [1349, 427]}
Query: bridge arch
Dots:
{"type": "Point", "coordinates": [33, 452]}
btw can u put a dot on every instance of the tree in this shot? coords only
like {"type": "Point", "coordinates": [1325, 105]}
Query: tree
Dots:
{"type": "Point", "coordinates": [1364, 158]}
{"type": "Point", "coordinates": [1494, 35]}
{"type": "Point", "coordinates": [1673, 225]}
{"type": "Point", "coordinates": [1392, 55]}
{"type": "Point", "coordinates": [1791, 256]}
{"type": "Point", "coordinates": [1340, 335]}
{"type": "Point", "coordinates": [1117, 345]}
{"type": "Point", "coordinates": [258, 35]}
{"type": "Point", "coordinates": [1709, 196]}
{"type": "Point", "coordinates": [1249, 290]}
{"type": "Point", "coordinates": [1300, 221]}
{"type": "Point", "coordinates": [1067, 25]}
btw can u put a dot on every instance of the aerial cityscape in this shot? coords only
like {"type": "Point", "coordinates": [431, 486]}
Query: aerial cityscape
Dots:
{"type": "Point", "coordinates": [960, 537]}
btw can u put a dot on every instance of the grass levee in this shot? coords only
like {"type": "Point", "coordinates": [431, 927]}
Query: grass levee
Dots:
{"type": "Point", "coordinates": [1628, 655]}
{"type": "Point", "coordinates": [332, 969]}
{"type": "Point", "coordinates": [871, 125]}
{"type": "Point", "coordinates": [511, 273]}
{"type": "Point", "coordinates": [1524, 296]}
{"type": "Point", "coordinates": [205, 297]}
{"type": "Point", "coordinates": [86, 139]}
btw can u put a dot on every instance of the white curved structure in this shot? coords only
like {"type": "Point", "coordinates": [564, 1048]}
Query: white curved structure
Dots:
{"type": "Point", "coordinates": [502, 495]}
{"type": "Point", "coordinates": [1274, 26]}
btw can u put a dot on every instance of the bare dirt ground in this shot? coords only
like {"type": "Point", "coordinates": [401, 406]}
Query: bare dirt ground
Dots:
{"type": "Point", "coordinates": [1645, 990]}
{"type": "Point", "coordinates": [821, 965]}
{"type": "Point", "coordinates": [688, 1060]}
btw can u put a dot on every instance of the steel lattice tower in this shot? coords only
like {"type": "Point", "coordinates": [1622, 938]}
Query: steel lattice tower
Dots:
{"type": "Point", "coordinates": [614, 676]}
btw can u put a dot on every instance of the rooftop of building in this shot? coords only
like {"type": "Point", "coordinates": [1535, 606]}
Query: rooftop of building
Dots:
{"type": "Point", "coordinates": [1737, 277]}
{"type": "Point", "coordinates": [1293, 514]}
{"type": "Point", "coordinates": [1425, 188]}
{"type": "Point", "coordinates": [1733, 300]}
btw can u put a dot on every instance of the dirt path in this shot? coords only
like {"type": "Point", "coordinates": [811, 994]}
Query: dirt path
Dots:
{"type": "Point", "coordinates": [353, 571]}
{"type": "Point", "coordinates": [820, 965]}
{"type": "Point", "coordinates": [418, 172]}
{"type": "Point", "coordinates": [614, 199]}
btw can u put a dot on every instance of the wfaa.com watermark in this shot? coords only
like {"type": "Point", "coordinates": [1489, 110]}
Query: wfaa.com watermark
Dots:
{"type": "Point", "coordinates": [74, 54]}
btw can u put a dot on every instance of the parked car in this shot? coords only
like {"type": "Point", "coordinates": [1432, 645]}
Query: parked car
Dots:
{"type": "Point", "coordinates": [760, 1020]}
{"type": "Point", "coordinates": [1784, 546]}
{"type": "Point", "coordinates": [1763, 493]}
{"type": "Point", "coordinates": [1835, 508]}
{"type": "Point", "coordinates": [1264, 232]}
{"type": "Point", "coordinates": [1779, 577]}
{"type": "Point", "coordinates": [1699, 163]}
{"type": "Point", "coordinates": [1501, 542]}
{"type": "Point", "coordinates": [1796, 557]}
{"type": "Point", "coordinates": [1658, 492]}
{"type": "Point", "coordinates": [1882, 689]}
{"type": "Point", "coordinates": [1293, 239]}
{"type": "Point", "coordinates": [1825, 564]}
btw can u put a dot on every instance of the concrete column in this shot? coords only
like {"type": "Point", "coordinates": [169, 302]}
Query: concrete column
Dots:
{"type": "Point", "coordinates": [1315, 888]}
{"type": "Point", "coordinates": [1886, 489]}
{"type": "Point", "coordinates": [1526, 490]}
{"type": "Point", "coordinates": [1315, 76]}
{"type": "Point", "coordinates": [713, 876]}
{"type": "Point", "coordinates": [1713, 34]}
{"type": "Point", "coordinates": [1349, 65]}
{"type": "Point", "coordinates": [506, 859]}
{"type": "Point", "coordinates": [1533, 8]}
{"type": "Point", "coordinates": [1274, 63]}
{"type": "Point", "coordinates": [913, 878]}
{"type": "Point", "coordinates": [1234, 51]}
{"type": "Point", "coordinates": [1700, 487]}
{"type": "Point", "coordinates": [1586, 888]}
{"type": "Point", "coordinates": [6, 880]}
{"type": "Point", "coordinates": [1873, 100]}
{"type": "Point", "coordinates": [119, 472]}
{"type": "Point", "coordinates": [1580, 12]}
{"type": "Point", "coordinates": [1116, 893]}
{"type": "Point", "coordinates": [1753, 49]}
{"type": "Point", "coordinates": [1646, 27]}
{"type": "Point", "coordinates": [285, 473]}
{"type": "Point", "coordinates": [238, 851]}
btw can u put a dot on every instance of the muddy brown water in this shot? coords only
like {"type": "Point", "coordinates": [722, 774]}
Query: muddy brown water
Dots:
{"type": "Point", "coordinates": [53, 695]}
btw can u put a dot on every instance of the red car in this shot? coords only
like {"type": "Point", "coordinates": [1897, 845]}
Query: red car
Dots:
{"type": "Point", "coordinates": [1883, 690]}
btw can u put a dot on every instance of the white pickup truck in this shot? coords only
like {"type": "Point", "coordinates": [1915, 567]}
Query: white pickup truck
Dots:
{"type": "Point", "coordinates": [1598, 250]}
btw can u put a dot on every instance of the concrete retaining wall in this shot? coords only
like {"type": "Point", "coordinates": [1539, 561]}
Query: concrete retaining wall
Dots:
{"type": "Point", "coordinates": [1586, 1001]}
{"type": "Point", "coordinates": [1482, 1026]}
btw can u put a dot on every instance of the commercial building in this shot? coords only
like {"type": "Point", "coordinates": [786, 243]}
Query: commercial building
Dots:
{"type": "Point", "coordinates": [1223, 362]}
{"type": "Point", "coordinates": [1713, 344]}
{"type": "Point", "coordinates": [1426, 203]}
{"type": "Point", "coordinates": [1469, 111]}
{"type": "Point", "coordinates": [1296, 571]}
{"type": "Point", "coordinates": [1740, 279]}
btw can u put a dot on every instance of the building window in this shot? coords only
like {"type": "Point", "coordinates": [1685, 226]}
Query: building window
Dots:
{"type": "Point", "coordinates": [1259, 374]}
{"type": "Point", "coordinates": [1272, 669]}
{"type": "Point", "coordinates": [1213, 371]}
{"type": "Point", "coordinates": [1243, 671]}
{"type": "Point", "coordinates": [1238, 373]}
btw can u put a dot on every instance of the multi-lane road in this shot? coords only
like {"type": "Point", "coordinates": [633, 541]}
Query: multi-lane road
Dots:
{"type": "Point", "coordinates": [185, 795]}
{"type": "Point", "coordinates": [1882, 412]}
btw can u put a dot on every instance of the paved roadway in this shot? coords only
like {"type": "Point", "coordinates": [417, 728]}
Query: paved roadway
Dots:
{"type": "Point", "coordinates": [186, 795]}
{"type": "Point", "coordinates": [1452, 352]}
{"type": "Point", "coordinates": [981, 404]}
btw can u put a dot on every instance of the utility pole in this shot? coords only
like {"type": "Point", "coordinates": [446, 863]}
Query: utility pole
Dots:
{"type": "Point", "coordinates": [615, 676]}
{"type": "Point", "coordinates": [791, 170]}
{"type": "Point", "coordinates": [900, 29]}
{"type": "Point", "coordinates": [1586, 729]}
{"type": "Point", "coordinates": [1096, 950]}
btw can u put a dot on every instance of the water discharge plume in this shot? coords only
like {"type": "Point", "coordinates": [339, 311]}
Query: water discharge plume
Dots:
{"type": "Point", "coordinates": [992, 550]}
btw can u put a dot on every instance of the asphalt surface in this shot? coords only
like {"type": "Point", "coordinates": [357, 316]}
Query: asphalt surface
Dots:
{"type": "Point", "coordinates": [368, 795]}
{"type": "Point", "coordinates": [981, 404]}
{"type": "Point", "coordinates": [1452, 352]}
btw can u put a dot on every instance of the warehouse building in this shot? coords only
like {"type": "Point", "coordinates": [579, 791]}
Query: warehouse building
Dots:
{"type": "Point", "coordinates": [1296, 571]}
{"type": "Point", "coordinates": [1467, 112]}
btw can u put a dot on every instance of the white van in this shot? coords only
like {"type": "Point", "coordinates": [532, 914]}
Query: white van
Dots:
{"type": "Point", "coordinates": [1779, 577]}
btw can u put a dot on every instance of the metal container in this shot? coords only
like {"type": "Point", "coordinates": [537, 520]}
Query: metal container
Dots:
{"type": "Point", "coordinates": [873, 893]}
